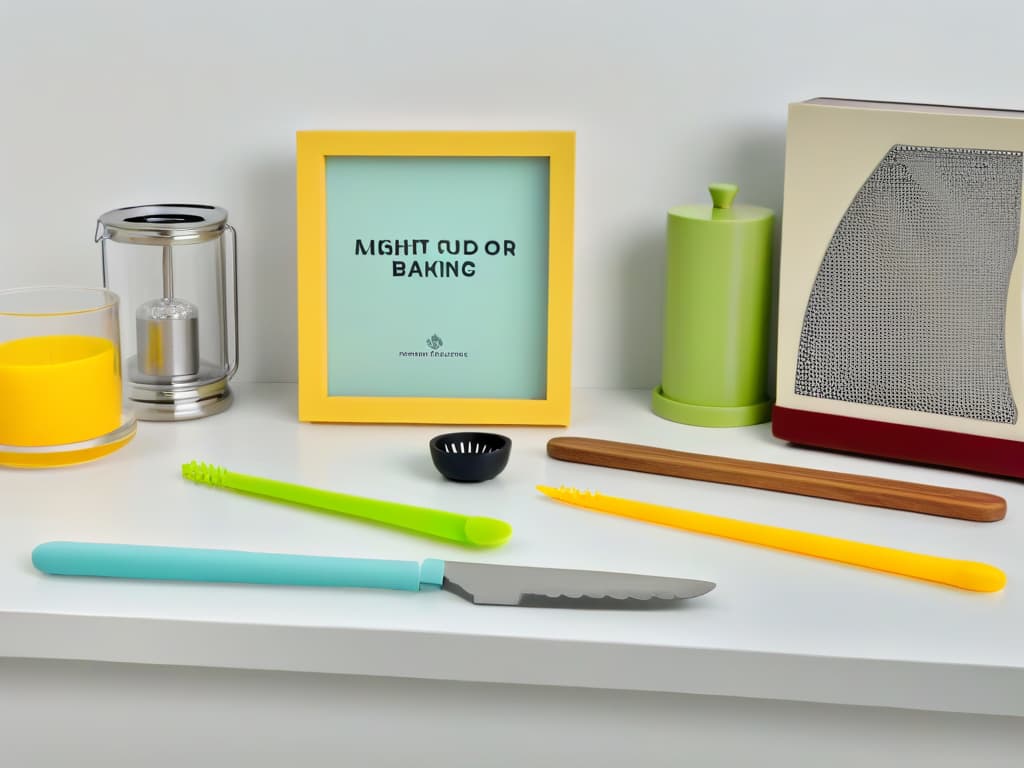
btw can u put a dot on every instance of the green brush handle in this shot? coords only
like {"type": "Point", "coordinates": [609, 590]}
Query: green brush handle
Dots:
{"type": "Point", "coordinates": [478, 531]}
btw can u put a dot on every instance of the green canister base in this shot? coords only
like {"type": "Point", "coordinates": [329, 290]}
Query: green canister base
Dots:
{"type": "Point", "coordinates": [718, 281]}
{"type": "Point", "coordinates": [709, 415]}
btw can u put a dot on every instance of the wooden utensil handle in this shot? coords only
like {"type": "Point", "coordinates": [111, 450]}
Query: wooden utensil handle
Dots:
{"type": "Point", "coordinates": [858, 489]}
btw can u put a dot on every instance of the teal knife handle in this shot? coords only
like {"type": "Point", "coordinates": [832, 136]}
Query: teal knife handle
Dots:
{"type": "Point", "coordinates": [130, 561]}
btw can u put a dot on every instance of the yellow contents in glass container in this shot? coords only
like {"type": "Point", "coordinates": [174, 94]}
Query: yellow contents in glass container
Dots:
{"type": "Point", "coordinates": [56, 390]}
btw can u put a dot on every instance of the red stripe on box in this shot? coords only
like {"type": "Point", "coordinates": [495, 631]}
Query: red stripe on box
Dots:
{"type": "Point", "coordinates": [991, 455]}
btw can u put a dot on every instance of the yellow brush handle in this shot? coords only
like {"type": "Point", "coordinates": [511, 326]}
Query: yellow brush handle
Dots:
{"type": "Point", "coordinates": [965, 574]}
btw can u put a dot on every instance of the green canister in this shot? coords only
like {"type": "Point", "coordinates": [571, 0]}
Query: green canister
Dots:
{"type": "Point", "coordinates": [718, 283]}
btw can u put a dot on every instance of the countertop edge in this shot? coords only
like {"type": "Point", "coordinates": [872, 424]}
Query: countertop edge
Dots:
{"type": "Point", "coordinates": [904, 684]}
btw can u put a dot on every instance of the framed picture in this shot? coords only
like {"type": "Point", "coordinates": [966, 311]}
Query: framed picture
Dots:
{"type": "Point", "coordinates": [435, 276]}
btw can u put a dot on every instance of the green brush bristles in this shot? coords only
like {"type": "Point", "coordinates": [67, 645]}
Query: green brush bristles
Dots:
{"type": "Point", "coordinates": [209, 474]}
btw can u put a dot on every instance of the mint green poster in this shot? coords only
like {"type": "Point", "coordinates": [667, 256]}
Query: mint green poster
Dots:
{"type": "Point", "coordinates": [437, 276]}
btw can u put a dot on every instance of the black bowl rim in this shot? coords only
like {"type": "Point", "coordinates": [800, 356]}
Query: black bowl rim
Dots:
{"type": "Point", "coordinates": [504, 443]}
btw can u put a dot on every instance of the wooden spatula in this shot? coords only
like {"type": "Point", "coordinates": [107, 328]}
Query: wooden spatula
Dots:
{"type": "Point", "coordinates": [858, 489]}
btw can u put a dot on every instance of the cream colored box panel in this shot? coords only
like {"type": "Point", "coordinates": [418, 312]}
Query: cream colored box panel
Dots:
{"type": "Point", "coordinates": [833, 149]}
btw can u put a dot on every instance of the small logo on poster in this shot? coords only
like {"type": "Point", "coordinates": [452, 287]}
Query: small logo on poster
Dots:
{"type": "Point", "coordinates": [434, 344]}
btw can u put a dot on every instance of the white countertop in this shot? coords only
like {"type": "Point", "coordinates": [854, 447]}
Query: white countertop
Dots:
{"type": "Point", "coordinates": [777, 626]}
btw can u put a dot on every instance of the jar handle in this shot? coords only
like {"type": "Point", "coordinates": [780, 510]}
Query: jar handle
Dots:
{"type": "Point", "coordinates": [233, 360]}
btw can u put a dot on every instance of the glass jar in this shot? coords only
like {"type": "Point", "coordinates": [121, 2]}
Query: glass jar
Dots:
{"type": "Point", "coordinates": [175, 268]}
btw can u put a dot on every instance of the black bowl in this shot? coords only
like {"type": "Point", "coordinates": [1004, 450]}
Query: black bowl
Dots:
{"type": "Point", "coordinates": [470, 457]}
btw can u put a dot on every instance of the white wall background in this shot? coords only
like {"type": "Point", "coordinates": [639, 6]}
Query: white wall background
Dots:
{"type": "Point", "coordinates": [116, 102]}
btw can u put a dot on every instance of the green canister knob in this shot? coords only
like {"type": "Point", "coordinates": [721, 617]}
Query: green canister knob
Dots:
{"type": "Point", "coordinates": [718, 282]}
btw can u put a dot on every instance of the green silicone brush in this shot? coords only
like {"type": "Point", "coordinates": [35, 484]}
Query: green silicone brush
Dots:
{"type": "Point", "coordinates": [471, 530]}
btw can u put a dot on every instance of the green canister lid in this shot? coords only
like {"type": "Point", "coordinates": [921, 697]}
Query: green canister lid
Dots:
{"type": "Point", "coordinates": [718, 281]}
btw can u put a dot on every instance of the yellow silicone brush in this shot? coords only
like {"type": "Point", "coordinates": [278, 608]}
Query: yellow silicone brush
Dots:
{"type": "Point", "coordinates": [965, 574]}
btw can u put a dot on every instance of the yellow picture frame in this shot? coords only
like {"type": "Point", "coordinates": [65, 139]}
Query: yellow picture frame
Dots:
{"type": "Point", "coordinates": [315, 403]}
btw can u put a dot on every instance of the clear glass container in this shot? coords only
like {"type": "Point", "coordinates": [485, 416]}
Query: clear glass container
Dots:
{"type": "Point", "coordinates": [174, 267]}
{"type": "Point", "coordinates": [61, 390]}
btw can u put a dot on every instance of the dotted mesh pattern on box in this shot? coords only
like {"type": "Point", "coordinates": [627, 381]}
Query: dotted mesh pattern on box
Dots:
{"type": "Point", "coordinates": [908, 307]}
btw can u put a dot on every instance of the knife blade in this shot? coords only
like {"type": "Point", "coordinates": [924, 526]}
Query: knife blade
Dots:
{"type": "Point", "coordinates": [480, 583]}
{"type": "Point", "coordinates": [486, 584]}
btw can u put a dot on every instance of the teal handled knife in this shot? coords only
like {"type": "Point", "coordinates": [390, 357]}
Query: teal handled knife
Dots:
{"type": "Point", "coordinates": [479, 583]}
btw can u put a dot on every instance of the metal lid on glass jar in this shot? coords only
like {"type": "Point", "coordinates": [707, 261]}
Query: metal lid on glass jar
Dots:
{"type": "Point", "coordinates": [163, 224]}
